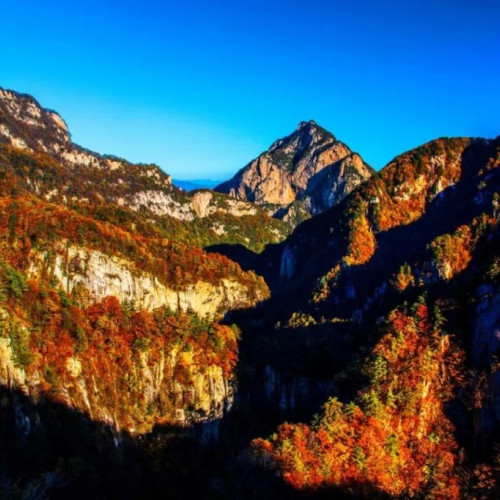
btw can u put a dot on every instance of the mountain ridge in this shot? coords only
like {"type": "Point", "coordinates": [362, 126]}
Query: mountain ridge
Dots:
{"type": "Point", "coordinates": [66, 173]}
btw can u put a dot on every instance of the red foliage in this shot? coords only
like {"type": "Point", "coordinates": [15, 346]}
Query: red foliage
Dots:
{"type": "Point", "coordinates": [117, 356]}
{"type": "Point", "coordinates": [396, 438]}
{"type": "Point", "coordinates": [27, 223]}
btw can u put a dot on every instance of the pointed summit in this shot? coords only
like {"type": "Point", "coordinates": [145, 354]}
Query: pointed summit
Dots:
{"type": "Point", "coordinates": [309, 123]}
{"type": "Point", "coordinates": [306, 134]}
{"type": "Point", "coordinates": [309, 167]}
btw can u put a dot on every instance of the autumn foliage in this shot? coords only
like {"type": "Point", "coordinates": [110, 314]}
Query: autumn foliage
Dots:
{"type": "Point", "coordinates": [99, 192]}
{"type": "Point", "coordinates": [404, 278]}
{"type": "Point", "coordinates": [452, 252]}
{"type": "Point", "coordinates": [131, 369]}
{"type": "Point", "coordinates": [28, 224]}
{"type": "Point", "coordinates": [403, 189]}
{"type": "Point", "coordinates": [394, 438]}
{"type": "Point", "coordinates": [362, 241]}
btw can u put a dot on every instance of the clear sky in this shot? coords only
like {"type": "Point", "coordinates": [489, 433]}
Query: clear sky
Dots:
{"type": "Point", "coordinates": [202, 87]}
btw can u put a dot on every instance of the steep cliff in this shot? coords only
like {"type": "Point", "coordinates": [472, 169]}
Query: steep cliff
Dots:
{"type": "Point", "coordinates": [114, 325]}
{"type": "Point", "coordinates": [97, 259]}
{"type": "Point", "coordinates": [99, 310]}
{"type": "Point", "coordinates": [301, 174]}
{"type": "Point", "coordinates": [386, 301]}
{"type": "Point", "coordinates": [128, 370]}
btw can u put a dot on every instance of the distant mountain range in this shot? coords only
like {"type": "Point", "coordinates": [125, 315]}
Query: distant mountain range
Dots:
{"type": "Point", "coordinates": [191, 185]}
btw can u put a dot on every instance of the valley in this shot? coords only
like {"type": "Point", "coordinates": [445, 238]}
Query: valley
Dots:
{"type": "Point", "coordinates": [311, 328]}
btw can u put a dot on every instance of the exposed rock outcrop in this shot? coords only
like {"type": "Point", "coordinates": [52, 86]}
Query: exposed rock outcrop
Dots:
{"type": "Point", "coordinates": [170, 387]}
{"type": "Point", "coordinates": [77, 175]}
{"type": "Point", "coordinates": [309, 166]}
{"type": "Point", "coordinates": [97, 275]}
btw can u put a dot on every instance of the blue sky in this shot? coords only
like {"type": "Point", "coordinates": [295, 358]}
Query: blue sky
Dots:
{"type": "Point", "coordinates": [201, 88]}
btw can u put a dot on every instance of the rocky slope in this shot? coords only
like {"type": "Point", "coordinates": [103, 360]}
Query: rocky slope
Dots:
{"type": "Point", "coordinates": [36, 143]}
{"type": "Point", "coordinates": [300, 175]}
{"type": "Point", "coordinates": [421, 195]}
{"type": "Point", "coordinates": [112, 324]}
{"type": "Point", "coordinates": [96, 259]}
{"type": "Point", "coordinates": [387, 303]}
{"type": "Point", "coordinates": [99, 310]}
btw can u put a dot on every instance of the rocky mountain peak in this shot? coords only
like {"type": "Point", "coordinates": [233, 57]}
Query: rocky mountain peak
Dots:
{"type": "Point", "coordinates": [66, 173]}
{"type": "Point", "coordinates": [30, 126]}
{"type": "Point", "coordinates": [309, 123]}
{"type": "Point", "coordinates": [311, 127]}
{"type": "Point", "coordinates": [305, 135]}
{"type": "Point", "coordinates": [288, 173]}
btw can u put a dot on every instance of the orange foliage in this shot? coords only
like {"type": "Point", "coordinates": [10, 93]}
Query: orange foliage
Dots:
{"type": "Point", "coordinates": [28, 223]}
{"type": "Point", "coordinates": [112, 352]}
{"type": "Point", "coordinates": [362, 241]}
{"type": "Point", "coordinates": [395, 438]}
{"type": "Point", "coordinates": [408, 183]}
{"type": "Point", "coordinates": [452, 253]}
{"type": "Point", "coordinates": [404, 278]}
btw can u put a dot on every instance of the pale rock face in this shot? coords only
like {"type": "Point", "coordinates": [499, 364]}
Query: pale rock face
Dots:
{"type": "Point", "coordinates": [45, 130]}
{"type": "Point", "coordinates": [102, 275]}
{"type": "Point", "coordinates": [29, 114]}
{"type": "Point", "coordinates": [271, 185]}
{"type": "Point", "coordinates": [51, 194]}
{"type": "Point", "coordinates": [14, 140]}
{"type": "Point", "coordinates": [219, 229]}
{"type": "Point", "coordinates": [79, 157]}
{"type": "Point", "coordinates": [26, 125]}
{"type": "Point", "coordinates": [160, 203]}
{"type": "Point", "coordinates": [238, 208]}
{"type": "Point", "coordinates": [201, 203]}
{"type": "Point", "coordinates": [59, 122]}
{"type": "Point", "coordinates": [74, 366]}
{"type": "Point", "coordinates": [209, 392]}
{"type": "Point", "coordinates": [10, 374]}
{"type": "Point", "coordinates": [205, 394]}
{"type": "Point", "coordinates": [309, 166]}
{"type": "Point", "coordinates": [204, 204]}
{"type": "Point", "coordinates": [113, 164]}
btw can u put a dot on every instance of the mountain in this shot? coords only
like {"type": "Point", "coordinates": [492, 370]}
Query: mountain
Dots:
{"type": "Point", "coordinates": [36, 143]}
{"type": "Point", "coordinates": [355, 357]}
{"type": "Point", "coordinates": [431, 188]}
{"type": "Point", "coordinates": [191, 185]}
{"type": "Point", "coordinates": [398, 285]}
{"type": "Point", "coordinates": [300, 175]}
{"type": "Point", "coordinates": [99, 309]}
{"type": "Point", "coordinates": [85, 304]}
